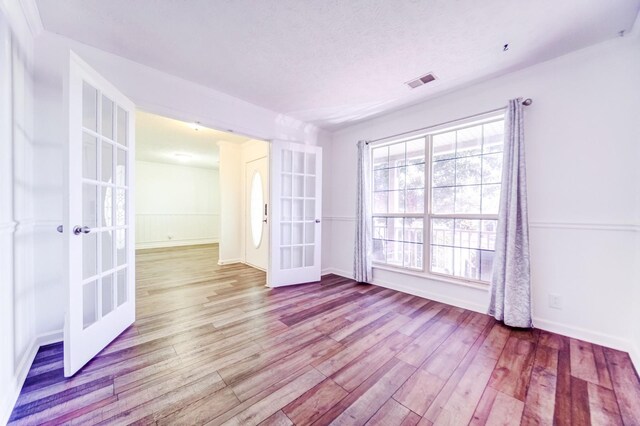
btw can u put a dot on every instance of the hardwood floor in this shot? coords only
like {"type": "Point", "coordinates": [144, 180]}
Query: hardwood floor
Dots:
{"type": "Point", "coordinates": [212, 345]}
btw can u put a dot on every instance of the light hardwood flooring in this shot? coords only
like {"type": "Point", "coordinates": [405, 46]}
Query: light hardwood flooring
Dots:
{"type": "Point", "coordinates": [213, 345]}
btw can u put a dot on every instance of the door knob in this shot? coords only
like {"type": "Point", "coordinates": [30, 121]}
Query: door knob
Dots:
{"type": "Point", "coordinates": [60, 228]}
{"type": "Point", "coordinates": [317, 220]}
{"type": "Point", "coordinates": [77, 230]}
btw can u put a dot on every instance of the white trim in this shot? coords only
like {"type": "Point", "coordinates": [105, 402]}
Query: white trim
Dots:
{"type": "Point", "coordinates": [229, 261]}
{"type": "Point", "coordinates": [176, 243]}
{"type": "Point", "coordinates": [23, 369]}
{"type": "Point", "coordinates": [588, 226]}
{"type": "Point", "coordinates": [583, 334]}
{"type": "Point", "coordinates": [32, 16]}
{"type": "Point", "coordinates": [634, 354]}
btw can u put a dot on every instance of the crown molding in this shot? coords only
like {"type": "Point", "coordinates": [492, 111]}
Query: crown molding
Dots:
{"type": "Point", "coordinates": [32, 16]}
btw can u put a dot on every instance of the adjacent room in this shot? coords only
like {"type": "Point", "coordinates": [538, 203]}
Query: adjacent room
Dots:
{"type": "Point", "coordinates": [344, 212]}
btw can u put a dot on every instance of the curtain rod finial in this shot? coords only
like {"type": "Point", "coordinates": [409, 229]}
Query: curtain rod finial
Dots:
{"type": "Point", "coordinates": [527, 102]}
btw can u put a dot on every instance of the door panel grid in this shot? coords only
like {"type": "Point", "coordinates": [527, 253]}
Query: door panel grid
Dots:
{"type": "Point", "coordinates": [103, 204]}
{"type": "Point", "coordinates": [297, 244]}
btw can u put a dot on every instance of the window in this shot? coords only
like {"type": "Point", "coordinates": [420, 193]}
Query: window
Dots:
{"type": "Point", "coordinates": [435, 201]}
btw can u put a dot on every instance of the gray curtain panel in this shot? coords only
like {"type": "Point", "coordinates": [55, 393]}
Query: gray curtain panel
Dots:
{"type": "Point", "coordinates": [511, 279]}
{"type": "Point", "coordinates": [362, 271]}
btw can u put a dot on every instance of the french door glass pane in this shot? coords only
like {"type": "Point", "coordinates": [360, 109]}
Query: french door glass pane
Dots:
{"type": "Point", "coordinates": [89, 303]}
{"type": "Point", "coordinates": [122, 121]}
{"type": "Point", "coordinates": [89, 107]}
{"type": "Point", "coordinates": [107, 294]}
{"type": "Point", "coordinates": [89, 156]}
{"type": "Point", "coordinates": [89, 205]}
{"type": "Point", "coordinates": [107, 117]}
{"type": "Point", "coordinates": [107, 162]}
{"type": "Point", "coordinates": [121, 168]}
{"type": "Point", "coordinates": [107, 250]}
{"type": "Point", "coordinates": [121, 278]}
{"type": "Point", "coordinates": [121, 246]}
{"type": "Point", "coordinates": [89, 255]}
{"type": "Point", "coordinates": [107, 206]}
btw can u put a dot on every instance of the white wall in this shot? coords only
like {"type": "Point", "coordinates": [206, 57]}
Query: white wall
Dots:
{"type": "Point", "coordinates": [17, 225]}
{"type": "Point", "coordinates": [176, 205]}
{"type": "Point", "coordinates": [582, 136]}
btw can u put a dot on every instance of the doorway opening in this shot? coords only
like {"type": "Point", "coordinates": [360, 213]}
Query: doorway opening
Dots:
{"type": "Point", "coordinates": [200, 186]}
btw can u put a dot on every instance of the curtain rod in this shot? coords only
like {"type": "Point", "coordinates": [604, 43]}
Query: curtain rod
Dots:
{"type": "Point", "coordinates": [526, 102]}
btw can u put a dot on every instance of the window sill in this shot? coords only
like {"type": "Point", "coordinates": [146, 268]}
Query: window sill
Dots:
{"type": "Point", "coordinates": [435, 277]}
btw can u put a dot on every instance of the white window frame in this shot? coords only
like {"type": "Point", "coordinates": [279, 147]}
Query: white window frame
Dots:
{"type": "Point", "coordinates": [427, 215]}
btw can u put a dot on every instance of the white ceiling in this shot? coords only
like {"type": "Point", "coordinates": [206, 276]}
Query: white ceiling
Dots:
{"type": "Point", "coordinates": [159, 139]}
{"type": "Point", "coordinates": [333, 62]}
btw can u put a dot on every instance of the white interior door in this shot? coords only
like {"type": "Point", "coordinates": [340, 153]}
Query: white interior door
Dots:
{"type": "Point", "coordinates": [256, 208]}
{"type": "Point", "coordinates": [99, 221]}
{"type": "Point", "coordinates": [296, 207]}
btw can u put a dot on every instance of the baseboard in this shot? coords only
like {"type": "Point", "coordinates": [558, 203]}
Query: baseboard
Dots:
{"type": "Point", "coordinates": [583, 334]}
{"type": "Point", "coordinates": [339, 272]}
{"type": "Point", "coordinates": [23, 369]}
{"type": "Point", "coordinates": [634, 354]}
{"type": "Point", "coordinates": [229, 261]}
{"type": "Point", "coordinates": [175, 243]}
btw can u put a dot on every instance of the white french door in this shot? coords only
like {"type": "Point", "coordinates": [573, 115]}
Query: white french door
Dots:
{"type": "Point", "coordinates": [99, 215]}
{"type": "Point", "coordinates": [296, 208]}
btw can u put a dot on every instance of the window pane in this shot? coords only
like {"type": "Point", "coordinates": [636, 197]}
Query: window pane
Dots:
{"type": "Point", "coordinates": [468, 171]}
{"type": "Point", "coordinates": [443, 173]}
{"type": "Point", "coordinates": [414, 201]}
{"type": "Point", "coordinates": [486, 265]}
{"type": "Point", "coordinates": [490, 199]}
{"type": "Point", "coordinates": [380, 157]}
{"type": "Point", "coordinates": [415, 151]}
{"type": "Point", "coordinates": [442, 200]}
{"type": "Point", "coordinates": [414, 177]}
{"type": "Point", "coordinates": [442, 260]}
{"type": "Point", "coordinates": [397, 177]}
{"type": "Point", "coordinates": [89, 107]}
{"type": "Point", "coordinates": [381, 180]}
{"type": "Point", "coordinates": [493, 137]}
{"type": "Point", "coordinates": [394, 229]}
{"type": "Point", "coordinates": [466, 263]}
{"type": "Point", "coordinates": [378, 250]}
{"type": "Point", "coordinates": [413, 255]}
{"type": "Point", "coordinates": [492, 168]}
{"type": "Point", "coordinates": [413, 230]}
{"type": "Point", "coordinates": [380, 202]}
{"type": "Point", "coordinates": [469, 141]}
{"type": "Point", "coordinates": [394, 253]}
{"type": "Point", "coordinates": [396, 201]}
{"type": "Point", "coordinates": [379, 227]}
{"type": "Point", "coordinates": [488, 236]}
{"type": "Point", "coordinates": [444, 146]}
{"type": "Point", "coordinates": [467, 199]}
{"type": "Point", "coordinates": [467, 233]}
{"type": "Point", "coordinates": [442, 231]}
{"type": "Point", "coordinates": [396, 155]}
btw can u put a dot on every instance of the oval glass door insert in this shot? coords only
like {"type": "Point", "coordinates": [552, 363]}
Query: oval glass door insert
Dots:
{"type": "Point", "coordinates": [255, 213]}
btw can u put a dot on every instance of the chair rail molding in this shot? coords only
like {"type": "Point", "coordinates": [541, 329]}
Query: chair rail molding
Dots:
{"type": "Point", "coordinates": [589, 226]}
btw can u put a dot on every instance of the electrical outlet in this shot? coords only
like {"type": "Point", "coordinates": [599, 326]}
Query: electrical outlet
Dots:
{"type": "Point", "coordinates": [555, 301]}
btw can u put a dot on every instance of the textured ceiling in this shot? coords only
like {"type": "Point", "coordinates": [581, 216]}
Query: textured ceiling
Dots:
{"type": "Point", "coordinates": [333, 62]}
{"type": "Point", "coordinates": [159, 139]}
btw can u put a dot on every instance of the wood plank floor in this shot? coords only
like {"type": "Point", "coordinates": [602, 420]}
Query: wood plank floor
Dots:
{"type": "Point", "coordinates": [212, 345]}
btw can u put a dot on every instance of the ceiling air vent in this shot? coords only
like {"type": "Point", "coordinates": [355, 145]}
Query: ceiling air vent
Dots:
{"type": "Point", "coordinates": [427, 78]}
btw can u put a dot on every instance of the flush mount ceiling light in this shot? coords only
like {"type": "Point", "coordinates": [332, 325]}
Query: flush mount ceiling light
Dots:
{"type": "Point", "coordinates": [195, 125]}
{"type": "Point", "coordinates": [183, 156]}
{"type": "Point", "coordinates": [421, 81]}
